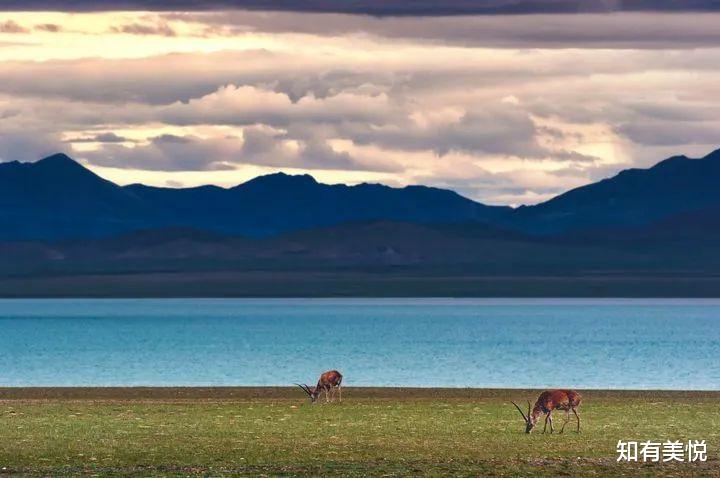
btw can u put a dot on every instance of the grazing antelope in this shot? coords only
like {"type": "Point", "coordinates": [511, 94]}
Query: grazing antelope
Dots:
{"type": "Point", "coordinates": [330, 381]}
{"type": "Point", "coordinates": [549, 401]}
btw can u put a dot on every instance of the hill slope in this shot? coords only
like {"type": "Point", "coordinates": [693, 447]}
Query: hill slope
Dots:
{"type": "Point", "coordinates": [633, 198]}
{"type": "Point", "coordinates": [279, 202]}
{"type": "Point", "coordinates": [57, 198]}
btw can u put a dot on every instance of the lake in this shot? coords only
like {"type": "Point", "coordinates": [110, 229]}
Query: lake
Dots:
{"type": "Point", "coordinates": [593, 343]}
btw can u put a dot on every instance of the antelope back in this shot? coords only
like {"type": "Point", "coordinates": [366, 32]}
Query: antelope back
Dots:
{"type": "Point", "coordinates": [574, 398]}
{"type": "Point", "coordinates": [331, 378]}
{"type": "Point", "coordinates": [559, 400]}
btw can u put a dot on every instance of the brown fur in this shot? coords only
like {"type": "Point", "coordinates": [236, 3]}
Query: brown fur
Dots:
{"type": "Point", "coordinates": [329, 382]}
{"type": "Point", "coordinates": [549, 401]}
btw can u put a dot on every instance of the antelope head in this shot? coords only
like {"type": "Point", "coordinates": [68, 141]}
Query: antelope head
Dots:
{"type": "Point", "coordinates": [529, 419]}
{"type": "Point", "coordinates": [312, 394]}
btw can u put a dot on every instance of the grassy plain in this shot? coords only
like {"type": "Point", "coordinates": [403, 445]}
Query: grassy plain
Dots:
{"type": "Point", "coordinates": [173, 432]}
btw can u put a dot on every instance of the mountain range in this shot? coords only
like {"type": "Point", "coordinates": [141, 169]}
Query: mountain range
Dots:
{"type": "Point", "coordinates": [65, 229]}
{"type": "Point", "coordinates": [57, 198]}
{"type": "Point", "coordinates": [634, 197]}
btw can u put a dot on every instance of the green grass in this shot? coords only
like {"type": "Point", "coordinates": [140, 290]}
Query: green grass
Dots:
{"type": "Point", "coordinates": [374, 432]}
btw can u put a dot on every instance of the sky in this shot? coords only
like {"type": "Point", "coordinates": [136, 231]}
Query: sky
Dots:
{"type": "Point", "coordinates": [505, 101]}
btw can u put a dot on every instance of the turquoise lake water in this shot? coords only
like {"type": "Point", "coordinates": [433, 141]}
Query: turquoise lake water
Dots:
{"type": "Point", "coordinates": [638, 344]}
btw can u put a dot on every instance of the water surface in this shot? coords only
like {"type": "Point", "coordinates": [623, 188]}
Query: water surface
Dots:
{"type": "Point", "coordinates": [594, 343]}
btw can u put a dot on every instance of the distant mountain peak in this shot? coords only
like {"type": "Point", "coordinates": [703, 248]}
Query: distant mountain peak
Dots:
{"type": "Point", "coordinates": [63, 166]}
{"type": "Point", "coordinates": [672, 161]}
{"type": "Point", "coordinates": [681, 160]}
{"type": "Point", "coordinates": [280, 179]}
{"type": "Point", "coordinates": [58, 159]}
{"type": "Point", "coordinates": [289, 177]}
{"type": "Point", "coordinates": [715, 155]}
{"type": "Point", "coordinates": [58, 197]}
{"type": "Point", "coordinates": [632, 198]}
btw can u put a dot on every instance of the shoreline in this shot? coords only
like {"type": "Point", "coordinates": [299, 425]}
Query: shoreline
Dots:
{"type": "Point", "coordinates": [290, 393]}
{"type": "Point", "coordinates": [357, 284]}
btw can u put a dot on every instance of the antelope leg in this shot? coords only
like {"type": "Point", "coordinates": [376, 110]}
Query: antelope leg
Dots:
{"type": "Point", "coordinates": [578, 419]}
{"type": "Point", "coordinates": [552, 430]}
{"type": "Point", "coordinates": [567, 419]}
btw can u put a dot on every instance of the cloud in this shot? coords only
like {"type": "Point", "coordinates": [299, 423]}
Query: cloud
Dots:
{"type": "Point", "coordinates": [268, 148]}
{"type": "Point", "coordinates": [159, 28]}
{"type": "Point", "coordinates": [12, 44]}
{"type": "Point", "coordinates": [497, 128]}
{"type": "Point", "coordinates": [258, 146]}
{"type": "Point", "coordinates": [163, 153]}
{"type": "Point", "coordinates": [49, 27]}
{"type": "Point", "coordinates": [100, 138]}
{"type": "Point", "coordinates": [494, 129]}
{"type": "Point", "coordinates": [11, 26]}
{"type": "Point", "coordinates": [9, 113]}
{"type": "Point", "coordinates": [508, 108]}
{"type": "Point", "coordinates": [672, 133]}
{"type": "Point", "coordinates": [21, 144]}
{"type": "Point", "coordinates": [373, 7]}
{"type": "Point", "coordinates": [136, 80]}
{"type": "Point", "coordinates": [244, 105]}
{"type": "Point", "coordinates": [306, 71]}
{"type": "Point", "coordinates": [646, 30]}
{"type": "Point", "coordinates": [512, 187]}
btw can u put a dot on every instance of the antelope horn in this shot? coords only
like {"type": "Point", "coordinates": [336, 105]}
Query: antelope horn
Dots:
{"type": "Point", "coordinates": [519, 410]}
{"type": "Point", "coordinates": [304, 388]}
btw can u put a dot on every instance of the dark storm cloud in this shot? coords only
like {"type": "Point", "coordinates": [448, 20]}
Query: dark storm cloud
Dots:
{"type": "Point", "coordinates": [375, 7]}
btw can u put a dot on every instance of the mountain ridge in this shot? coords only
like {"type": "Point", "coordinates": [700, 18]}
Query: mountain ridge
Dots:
{"type": "Point", "coordinates": [57, 198]}
{"type": "Point", "coordinates": [644, 232]}
{"type": "Point", "coordinates": [633, 197]}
